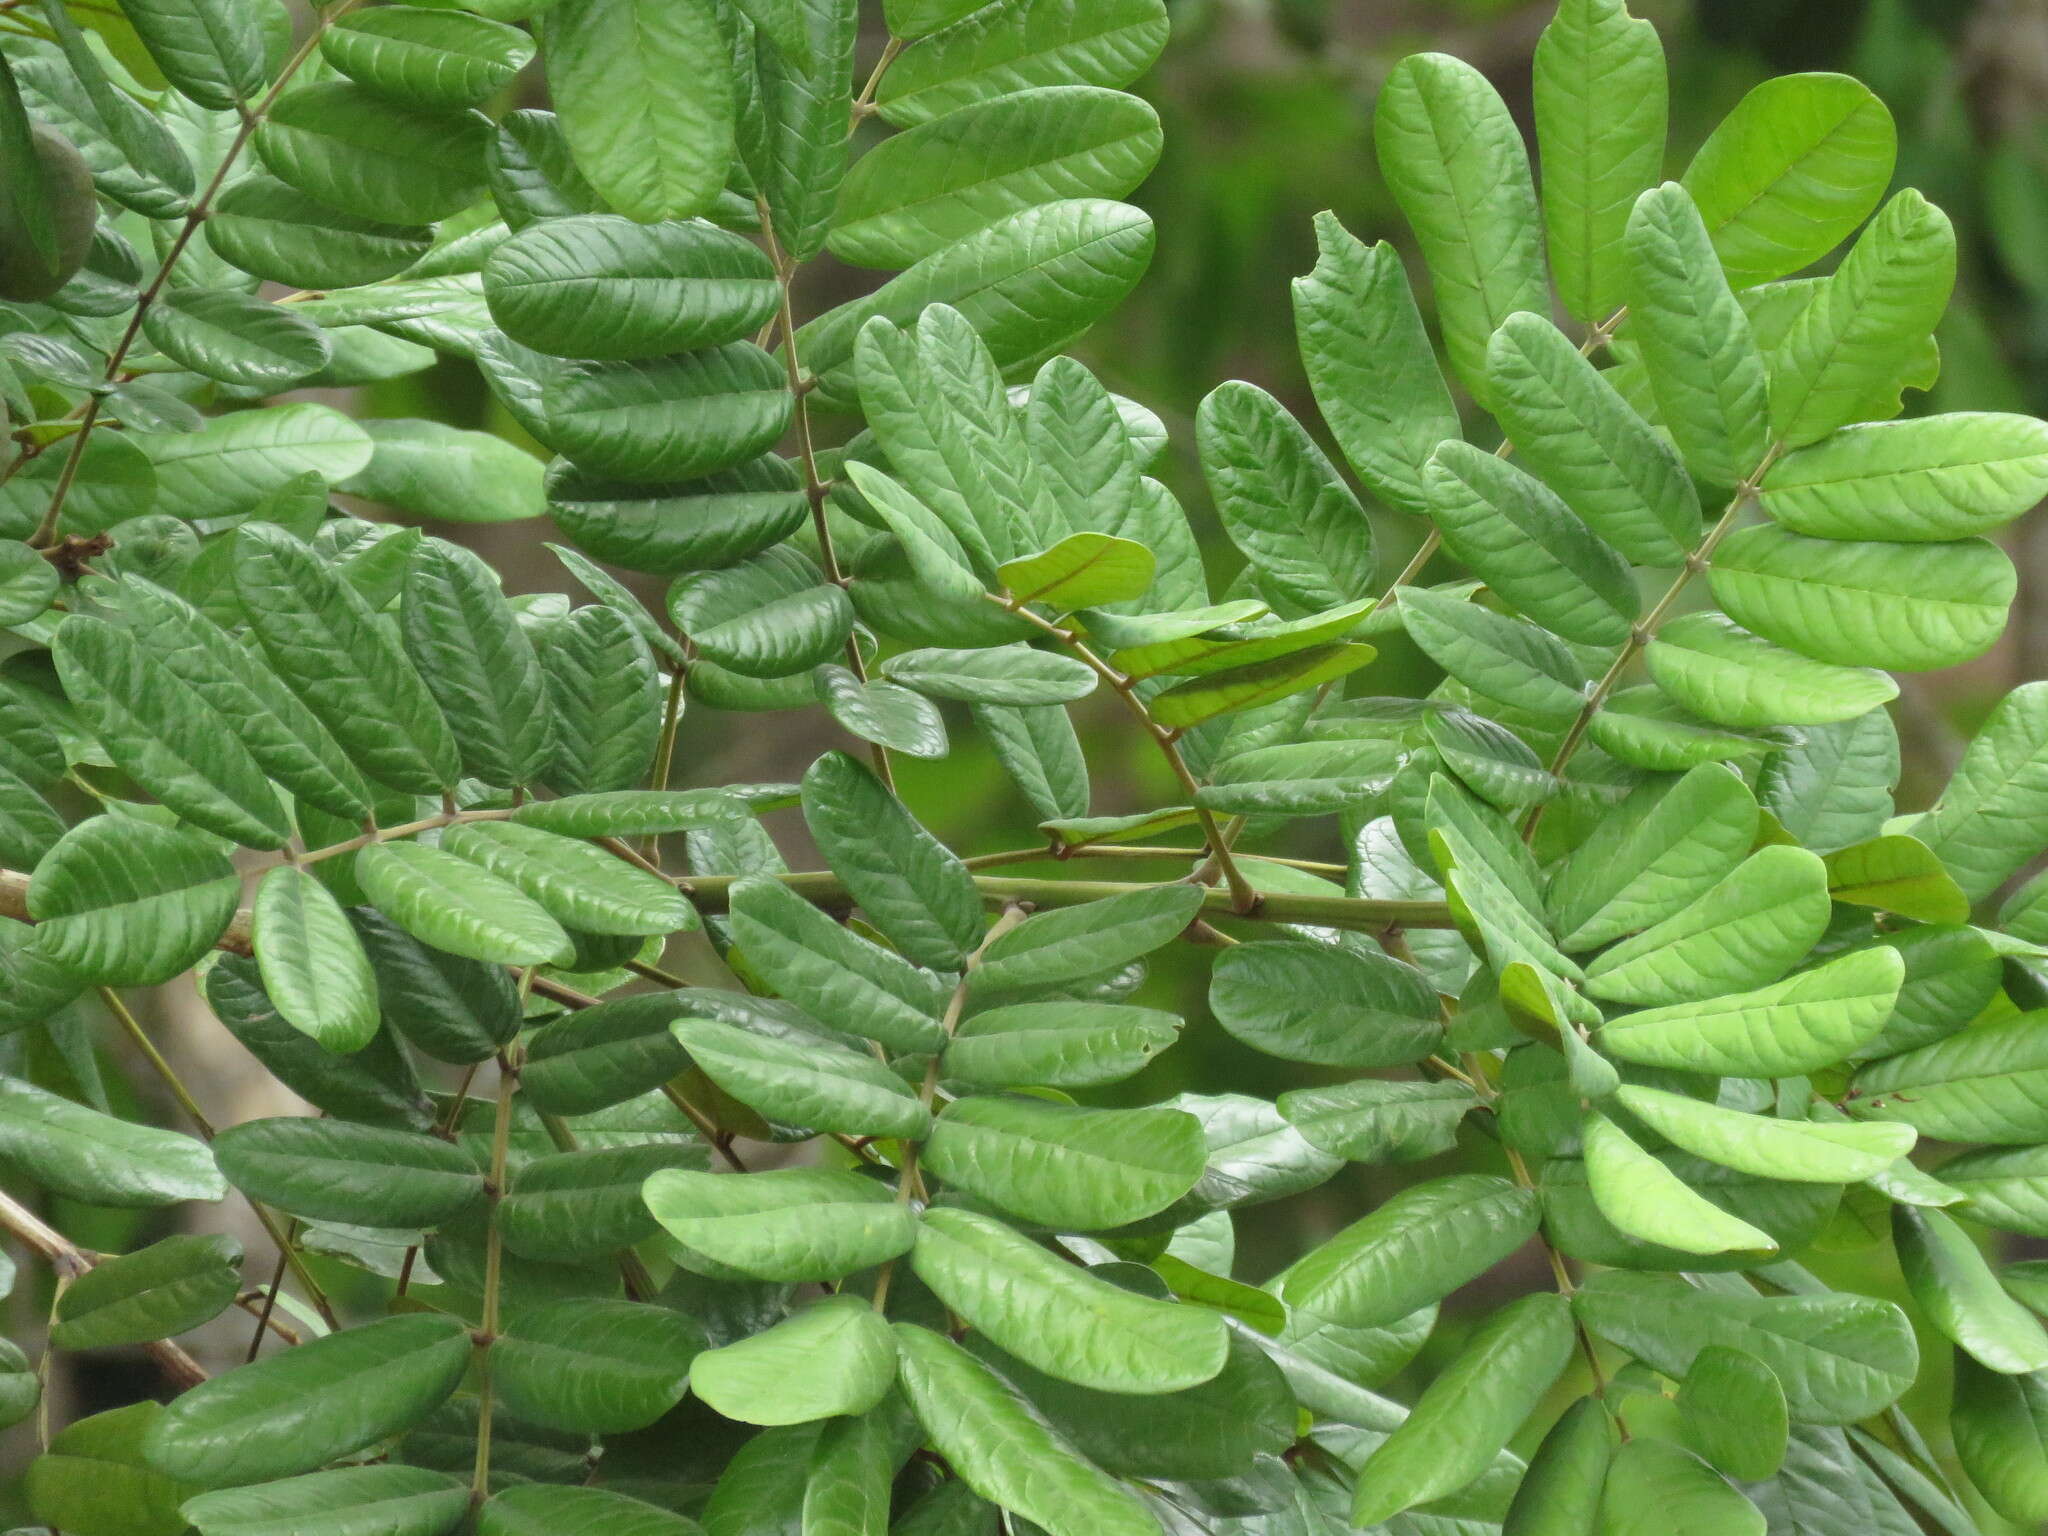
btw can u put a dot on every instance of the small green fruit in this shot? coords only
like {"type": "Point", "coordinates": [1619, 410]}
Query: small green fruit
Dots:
{"type": "Point", "coordinates": [24, 275]}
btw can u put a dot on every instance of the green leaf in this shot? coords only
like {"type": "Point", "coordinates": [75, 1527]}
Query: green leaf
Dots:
{"type": "Point", "coordinates": [1332, 1007]}
{"type": "Point", "coordinates": [28, 583]}
{"type": "Point", "coordinates": [768, 617]}
{"type": "Point", "coordinates": [1029, 285]}
{"type": "Point", "coordinates": [793, 135]}
{"type": "Point", "coordinates": [605, 693]}
{"type": "Point", "coordinates": [789, 1224]}
{"type": "Point", "coordinates": [594, 1367]}
{"type": "Point", "coordinates": [669, 418]}
{"type": "Point", "coordinates": [1701, 357]}
{"type": "Point", "coordinates": [605, 287]}
{"type": "Point", "coordinates": [427, 58]}
{"type": "Point", "coordinates": [832, 973]}
{"type": "Point", "coordinates": [836, 1356]}
{"type": "Point", "coordinates": [1601, 101]}
{"type": "Point", "coordinates": [2003, 1185]}
{"type": "Point", "coordinates": [367, 1176]}
{"type": "Point", "coordinates": [1896, 874]}
{"type": "Point", "coordinates": [604, 1056]}
{"type": "Point", "coordinates": [1984, 1084]}
{"type": "Point", "coordinates": [1646, 1200]}
{"type": "Point", "coordinates": [1455, 163]}
{"type": "Point", "coordinates": [1083, 570]}
{"type": "Point", "coordinates": [1370, 363]}
{"type": "Point", "coordinates": [166, 735]}
{"type": "Point", "coordinates": [1733, 1413]}
{"type": "Point", "coordinates": [563, 1208]}
{"type": "Point", "coordinates": [1283, 503]}
{"type": "Point", "coordinates": [1057, 1044]}
{"type": "Point", "coordinates": [1584, 440]}
{"type": "Point", "coordinates": [1015, 46]}
{"type": "Point", "coordinates": [807, 1083]}
{"type": "Point", "coordinates": [312, 963]}
{"type": "Point", "coordinates": [2000, 1425]}
{"type": "Point", "coordinates": [122, 902]}
{"type": "Point", "coordinates": [1525, 543]}
{"type": "Point", "coordinates": [1072, 943]}
{"type": "Point", "coordinates": [1996, 806]}
{"type": "Point", "coordinates": [327, 1398]}
{"type": "Point", "coordinates": [134, 158]}
{"type": "Point", "coordinates": [235, 462]}
{"type": "Point", "coordinates": [910, 885]}
{"type": "Point", "coordinates": [882, 713]}
{"type": "Point", "coordinates": [1074, 1170]}
{"type": "Point", "coordinates": [1376, 1121]}
{"type": "Point", "coordinates": [346, 147]}
{"type": "Point", "coordinates": [1067, 1323]}
{"type": "Point", "coordinates": [539, 1509]}
{"type": "Point", "coordinates": [95, 1480]}
{"type": "Point", "coordinates": [434, 470]}
{"type": "Point", "coordinates": [1664, 848]}
{"type": "Point", "coordinates": [1786, 176]}
{"type": "Point", "coordinates": [1905, 607]}
{"type": "Point", "coordinates": [667, 529]}
{"type": "Point", "coordinates": [1654, 1486]}
{"type": "Point", "coordinates": [1503, 658]}
{"type": "Point", "coordinates": [920, 191]}
{"type": "Point", "coordinates": [1839, 1357]}
{"type": "Point", "coordinates": [212, 51]}
{"type": "Point", "coordinates": [1041, 752]}
{"type": "Point", "coordinates": [1245, 688]}
{"type": "Point", "coordinates": [1758, 922]}
{"type": "Point", "coordinates": [323, 640]}
{"type": "Point", "coordinates": [1645, 728]}
{"type": "Point", "coordinates": [1723, 673]}
{"type": "Point", "coordinates": [1560, 1493]}
{"type": "Point", "coordinates": [1416, 1248]}
{"type": "Point", "coordinates": [236, 338]}
{"type": "Point", "coordinates": [1841, 360]}
{"type": "Point", "coordinates": [581, 887]}
{"type": "Point", "coordinates": [1464, 1417]}
{"type": "Point", "coordinates": [453, 1009]}
{"type": "Point", "coordinates": [1934, 478]}
{"type": "Point", "coordinates": [630, 812]}
{"type": "Point", "coordinates": [1955, 1289]}
{"type": "Point", "coordinates": [168, 1288]}
{"type": "Point", "coordinates": [1004, 1451]}
{"type": "Point", "coordinates": [1834, 788]}
{"type": "Point", "coordinates": [1810, 1020]}
{"type": "Point", "coordinates": [453, 904]}
{"type": "Point", "coordinates": [480, 666]}
{"type": "Point", "coordinates": [645, 101]}
{"type": "Point", "coordinates": [348, 1501]}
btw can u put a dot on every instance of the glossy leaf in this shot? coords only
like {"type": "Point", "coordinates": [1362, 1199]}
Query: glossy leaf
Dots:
{"type": "Point", "coordinates": [360, 1174]}
{"type": "Point", "coordinates": [793, 1224]}
{"type": "Point", "coordinates": [312, 963]}
{"type": "Point", "coordinates": [834, 1357]}
{"type": "Point", "coordinates": [1071, 1169]}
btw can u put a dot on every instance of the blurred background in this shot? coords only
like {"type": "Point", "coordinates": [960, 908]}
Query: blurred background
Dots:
{"type": "Point", "coordinates": [1267, 106]}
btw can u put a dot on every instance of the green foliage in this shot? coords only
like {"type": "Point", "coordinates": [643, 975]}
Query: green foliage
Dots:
{"type": "Point", "coordinates": [1624, 910]}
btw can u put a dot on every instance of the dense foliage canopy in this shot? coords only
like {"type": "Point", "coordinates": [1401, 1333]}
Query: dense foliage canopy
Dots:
{"type": "Point", "coordinates": [854, 1241]}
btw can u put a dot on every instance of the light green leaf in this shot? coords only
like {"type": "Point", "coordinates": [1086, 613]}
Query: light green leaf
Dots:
{"type": "Point", "coordinates": [1733, 1413]}
{"type": "Point", "coordinates": [1464, 1417]}
{"type": "Point", "coordinates": [1062, 1320]}
{"type": "Point", "coordinates": [1988, 1084]}
{"type": "Point", "coordinates": [837, 1356]}
{"type": "Point", "coordinates": [832, 973]}
{"type": "Point", "coordinates": [1896, 874]}
{"type": "Point", "coordinates": [1416, 1248]}
{"type": "Point", "coordinates": [1841, 360]}
{"type": "Point", "coordinates": [1996, 806]}
{"type": "Point", "coordinates": [631, 812]}
{"type": "Point", "coordinates": [434, 470]}
{"type": "Point", "coordinates": [1284, 504]}
{"type": "Point", "coordinates": [348, 1501]}
{"type": "Point", "coordinates": [1070, 944]}
{"type": "Point", "coordinates": [920, 191]}
{"type": "Point", "coordinates": [453, 904]}
{"type": "Point", "coordinates": [1790, 172]}
{"type": "Point", "coordinates": [89, 1156]}
{"type": "Point", "coordinates": [295, 1411]}
{"type": "Point", "coordinates": [166, 735]}
{"type": "Point", "coordinates": [1810, 1020]}
{"type": "Point", "coordinates": [882, 713]}
{"type": "Point", "coordinates": [1702, 362]}
{"type": "Point", "coordinates": [645, 101]}
{"type": "Point", "coordinates": [235, 462]}
{"type": "Point", "coordinates": [1376, 1121]}
{"type": "Point", "coordinates": [1057, 1044]}
{"type": "Point", "coordinates": [1370, 363]}
{"type": "Point", "coordinates": [581, 887]}
{"type": "Point", "coordinates": [911, 887]}
{"type": "Point", "coordinates": [331, 1170]}
{"type": "Point", "coordinates": [1525, 543]}
{"type": "Point", "coordinates": [1748, 930]}
{"type": "Point", "coordinates": [1646, 728]}
{"type": "Point", "coordinates": [789, 1224]}
{"type": "Point", "coordinates": [1455, 162]}
{"type": "Point", "coordinates": [1655, 1488]}
{"type": "Point", "coordinates": [594, 1367]}
{"type": "Point", "coordinates": [2004, 1186]}
{"type": "Point", "coordinates": [605, 287]}
{"type": "Point", "coordinates": [1083, 570]}
{"type": "Point", "coordinates": [313, 965]}
{"type": "Point", "coordinates": [1839, 1357]}
{"type": "Point", "coordinates": [1504, 658]}
{"type": "Point", "coordinates": [1797, 1150]}
{"type": "Point", "coordinates": [812, 1083]}
{"type": "Point", "coordinates": [1215, 693]}
{"type": "Point", "coordinates": [427, 58]}
{"type": "Point", "coordinates": [1646, 1200]}
{"type": "Point", "coordinates": [122, 902]}
{"type": "Point", "coordinates": [1075, 1170]}
{"type": "Point", "coordinates": [1003, 1451]}
{"type": "Point", "coordinates": [1017, 45]}
{"type": "Point", "coordinates": [1601, 101]}
{"type": "Point", "coordinates": [1723, 673]}
{"type": "Point", "coordinates": [1933, 478]}
{"type": "Point", "coordinates": [2000, 1425]}
{"type": "Point", "coordinates": [1333, 1007]}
